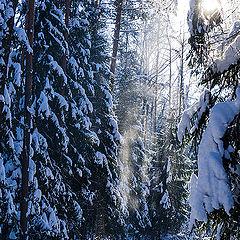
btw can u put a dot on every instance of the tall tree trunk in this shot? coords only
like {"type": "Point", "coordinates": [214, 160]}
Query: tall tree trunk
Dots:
{"type": "Point", "coordinates": [116, 36]}
{"type": "Point", "coordinates": [181, 84]}
{"type": "Point", "coordinates": [27, 121]}
{"type": "Point", "coordinates": [170, 78]}
{"type": "Point", "coordinates": [156, 86]}
{"type": "Point", "coordinates": [146, 126]}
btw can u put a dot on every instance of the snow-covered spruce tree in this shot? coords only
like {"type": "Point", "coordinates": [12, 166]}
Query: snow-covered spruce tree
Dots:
{"type": "Point", "coordinates": [131, 103]}
{"type": "Point", "coordinates": [83, 141]}
{"type": "Point", "coordinates": [168, 180]}
{"type": "Point", "coordinates": [138, 219]}
{"type": "Point", "coordinates": [10, 75]}
{"type": "Point", "coordinates": [214, 196]}
{"type": "Point", "coordinates": [53, 211]}
{"type": "Point", "coordinates": [159, 201]}
{"type": "Point", "coordinates": [105, 166]}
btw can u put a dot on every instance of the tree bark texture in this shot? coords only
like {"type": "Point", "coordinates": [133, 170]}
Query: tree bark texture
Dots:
{"type": "Point", "coordinates": [27, 122]}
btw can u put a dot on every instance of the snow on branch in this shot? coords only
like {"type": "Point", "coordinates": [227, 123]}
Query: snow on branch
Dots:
{"type": "Point", "coordinates": [2, 170]}
{"type": "Point", "coordinates": [199, 107]}
{"type": "Point", "coordinates": [231, 55]}
{"type": "Point", "coordinates": [210, 190]}
{"type": "Point", "coordinates": [58, 69]}
{"type": "Point", "coordinates": [23, 38]}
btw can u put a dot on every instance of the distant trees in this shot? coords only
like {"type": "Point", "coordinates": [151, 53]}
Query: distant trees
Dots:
{"type": "Point", "coordinates": [152, 171]}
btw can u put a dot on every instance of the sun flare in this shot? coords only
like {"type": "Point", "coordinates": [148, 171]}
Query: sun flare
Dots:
{"type": "Point", "coordinates": [209, 7]}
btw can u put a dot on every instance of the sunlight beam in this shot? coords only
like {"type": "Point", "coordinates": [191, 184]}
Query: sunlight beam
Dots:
{"type": "Point", "coordinates": [209, 7]}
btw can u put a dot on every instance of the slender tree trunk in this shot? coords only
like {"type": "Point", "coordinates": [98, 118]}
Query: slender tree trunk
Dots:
{"type": "Point", "coordinates": [156, 86]}
{"type": "Point", "coordinates": [181, 96]}
{"type": "Point", "coordinates": [155, 112]}
{"type": "Point", "coordinates": [116, 36]}
{"type": "Point", "coordinates": [146, 126]}
{"type": "Point", "coordinates": [170, 78]}
{"type": "Point", "coordinates": [27, 121]}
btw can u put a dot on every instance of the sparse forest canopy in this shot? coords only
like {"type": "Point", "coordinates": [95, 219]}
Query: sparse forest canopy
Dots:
{"type": "Point", "coordinates": [119, 119]}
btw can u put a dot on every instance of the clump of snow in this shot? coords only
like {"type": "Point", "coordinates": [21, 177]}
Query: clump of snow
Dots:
{"type": "Point", "coordinates": [165, 200]}
{"type": "Point", "coordinates": [78, 210]}
{"type": "Point", "coordinates": [49, 173]}
{"type": "Point", "coordinates": [7, 97]}
{"type": "Point", "coordinates": [45, 224]}
{"type": "Point", "coordinates": [200, 107]}
{"type": "Point", "coordinates": [169, 178]}
{"type": "Point", "coordinates": [2, 170]}
{"type": "Point", "coordinates": [210, 190]}
{"type": "Point", "coordinates": [12, 235]}
{"type": "Point", "coordinates": [230, 57]}
{"type": "Point", "coordinates": [108, 97]}
{"type": "Point", "coordinates": [32, 170]}
{"type": "Point", "coordinates": [22, 37]}
{"type": "Point", "coordinates": [52, 219]}
{"type": "Point", "coordinates": [37, 195]}
{"type": "Point", "coordinates": [10, 205]}
{"type": "Point", "coordinates": [232, 50]}
{"type": "Point", "coordinates": [232, 35]}
{"type": "Point", "coordinates": [114, 125]}
{"type": "Point", "coordinates": [58, 69]}
{"type": "Point", "coordinates": [57, 36]}
{"type": "Point", "coordinates": [79, 171]}
{"type": "Point", "coordinates": [44, 107]}
{"type": "Point", "coordinates": [100, 158]}
{"type": "Point", "coordinates": [62, 101]}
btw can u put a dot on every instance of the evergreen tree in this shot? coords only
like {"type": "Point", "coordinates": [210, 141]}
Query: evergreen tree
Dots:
{"type": "Point", "coordinates": [210, 133]}
{"type": "Point", "coordinates": [53, 209]}
{"type": "Point", "coordinates": [105, 165]}
{"type": "Point", "coordinates": [10, 73]}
